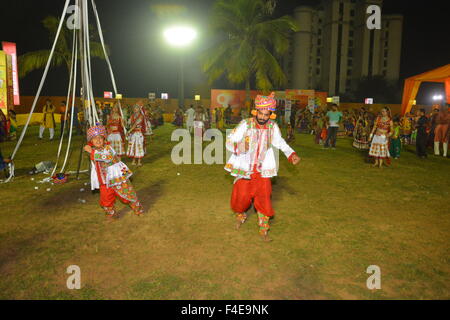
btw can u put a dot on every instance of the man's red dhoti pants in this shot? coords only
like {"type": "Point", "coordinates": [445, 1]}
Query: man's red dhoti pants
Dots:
{"type": "Point", "coordinates": [257, 189]}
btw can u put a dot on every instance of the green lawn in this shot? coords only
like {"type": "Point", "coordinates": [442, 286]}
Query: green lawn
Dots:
{"type": "Point", "coordinates": [336, 215]}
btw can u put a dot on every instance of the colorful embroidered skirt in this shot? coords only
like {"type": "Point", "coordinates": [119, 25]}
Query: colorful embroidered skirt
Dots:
{"type": "Point", "coordinates": [380, 147]}
{"type": "Point", "coordinates": [136, 146]}
{"type": "Point", "coordinates": [115, 139]}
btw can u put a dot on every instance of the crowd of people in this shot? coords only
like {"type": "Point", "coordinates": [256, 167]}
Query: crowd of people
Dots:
{"type": "Point", "coordinates": [366, 127]}
{"type": "Point", "coordinates": [382, 134]}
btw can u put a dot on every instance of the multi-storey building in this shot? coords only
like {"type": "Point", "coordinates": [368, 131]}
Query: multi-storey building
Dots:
{"type": "Point", "coordinates": [334, 47]}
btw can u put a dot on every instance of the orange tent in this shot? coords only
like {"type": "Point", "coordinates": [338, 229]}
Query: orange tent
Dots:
{"type": "Point", "coordinates": [412, 85]}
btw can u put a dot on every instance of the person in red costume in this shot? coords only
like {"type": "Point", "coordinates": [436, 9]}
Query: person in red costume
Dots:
{"type": "Point", "coordinates": [116, 135]}
{"type": "Point", "coordinates": [253, 162]}
{"type": "Point", "coordinates": [109, 174]}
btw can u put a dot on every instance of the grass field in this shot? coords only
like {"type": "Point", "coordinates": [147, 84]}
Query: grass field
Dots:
{"type": "Point", "coordinates": [336, 215]}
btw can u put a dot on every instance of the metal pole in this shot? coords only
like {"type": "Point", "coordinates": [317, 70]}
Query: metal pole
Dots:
{"type": "Point", "coordinates": [181, 82]}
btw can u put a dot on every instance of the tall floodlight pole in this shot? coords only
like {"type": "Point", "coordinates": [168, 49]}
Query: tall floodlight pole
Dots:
{"type": "Point", "coordinates": [181, 82]}
{"type": "Point", "coordinates": [180, 37]}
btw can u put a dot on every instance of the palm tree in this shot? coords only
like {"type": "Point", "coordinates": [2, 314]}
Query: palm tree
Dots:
{"type": "Point", "coordinates": [251, 46]}
{"type": "Point", "coordinates": [35, 60]}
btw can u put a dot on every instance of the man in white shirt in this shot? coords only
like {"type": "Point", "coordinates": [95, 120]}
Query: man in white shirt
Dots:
{"type": "Point", "coordinates": [253, 162]}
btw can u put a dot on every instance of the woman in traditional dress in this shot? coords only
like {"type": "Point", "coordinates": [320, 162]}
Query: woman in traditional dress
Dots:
{"type": "Point", "coordinates": [199, 122]}
{"type": "Point", "coordinates": [361, 133]}
{"type": "Point", "coordinates": [381, 132]}
{"type": "Point", "coordinates": [48, 120]}
{"type": "Point", "coordinates": [136, 144]}
{"type": "Point", "coordinates": [178, 121]}
{"type": "Point", "coordinates": [115, 127]}
{"type": "Point", "coordinates": [219, 118]}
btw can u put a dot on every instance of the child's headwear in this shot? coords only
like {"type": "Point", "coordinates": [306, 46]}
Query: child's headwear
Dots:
{"type": "Point", "coordinates": [266, 103]}
{"type": "Point", "coordinates": [97, 130]}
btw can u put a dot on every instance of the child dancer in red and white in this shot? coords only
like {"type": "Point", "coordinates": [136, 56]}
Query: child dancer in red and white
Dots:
{"type": "Point", "coordinates": [109, 174]}
{"type": "Point", "coordinates": [136, 139]}
{"type": "Point", "coordinates": [116, 132]}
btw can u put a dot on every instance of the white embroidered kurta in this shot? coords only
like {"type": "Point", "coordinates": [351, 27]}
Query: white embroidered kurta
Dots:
{"type": "Point", "coordinates": [251, 146]}
{"type": "Point", "coordinates": [112, 171]}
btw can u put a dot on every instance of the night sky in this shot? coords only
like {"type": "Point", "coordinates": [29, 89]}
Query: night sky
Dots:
{"type": "Point", "coordinates": [143, 62]}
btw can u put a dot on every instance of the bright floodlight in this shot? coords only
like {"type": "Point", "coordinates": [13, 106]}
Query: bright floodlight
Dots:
{"type": "Point", "coordinates": [437, 97]}
{"type": "Point", "coordinates": [180, 36]}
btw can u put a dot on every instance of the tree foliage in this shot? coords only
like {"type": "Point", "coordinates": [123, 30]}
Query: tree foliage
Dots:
{"type": "Point", "coordinates": [62, 56]}
{"type": "Point", "coordinates": [251, 45]}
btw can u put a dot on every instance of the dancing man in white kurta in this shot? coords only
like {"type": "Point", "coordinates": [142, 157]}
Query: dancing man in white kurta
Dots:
{"type": "Point", "coordinates": [253, 162]}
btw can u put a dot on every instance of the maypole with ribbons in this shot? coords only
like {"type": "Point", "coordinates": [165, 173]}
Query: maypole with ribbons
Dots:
{"type": "Point", "coordinates": [80, 51]}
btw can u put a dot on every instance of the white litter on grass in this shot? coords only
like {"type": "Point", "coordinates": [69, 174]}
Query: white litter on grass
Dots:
{"type": "Point", "coordinates": [45, 180]}
{"type": "Point", "coordinates": [32, 179]}
{"type": "Point", "coordinates": [36, 188]}
{"type": "Point", "coordinates": [178, 174]}
{"type": "Point", "coordinates": [48, 190]}
{"type": "Point", "coordinates": [82, 190]}
{"type": "Point", "coordinates": [82, 200]}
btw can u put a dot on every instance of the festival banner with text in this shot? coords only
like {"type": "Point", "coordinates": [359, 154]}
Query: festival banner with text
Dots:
{"type": "Point", "coordinates": [10, 49]}
{"type": "Point", "coordinates": [3, 83]}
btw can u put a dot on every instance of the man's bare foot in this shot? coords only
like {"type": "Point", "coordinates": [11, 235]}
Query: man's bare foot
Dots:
{"type": "Point", "coordinates": [265, 236]}
{"type": "Point", "coordinates": [240, 220]}
{"type": "Point", "coordinates": [111, 217]}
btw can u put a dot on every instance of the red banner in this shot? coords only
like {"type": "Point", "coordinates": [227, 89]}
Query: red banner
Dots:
{"type": "Point", "coordinates": [10, 48]}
